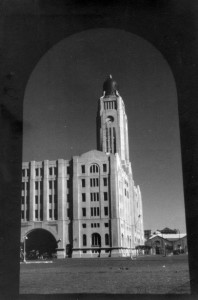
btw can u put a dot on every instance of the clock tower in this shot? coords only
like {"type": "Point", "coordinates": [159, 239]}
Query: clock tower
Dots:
{"type": "Point", "coordinates": [112, 124]}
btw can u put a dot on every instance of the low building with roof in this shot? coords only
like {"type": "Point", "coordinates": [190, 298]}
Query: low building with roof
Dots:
{"type": "Point", "coordinates": [167, 243]}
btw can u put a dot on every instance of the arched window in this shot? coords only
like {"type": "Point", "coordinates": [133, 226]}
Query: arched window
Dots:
{"type": "Point", "coordinates": [94, 169]}
{"type": "Point", "coordinates": [84, 240]}
{"type": "Point", "coordinates": [96, 240]}
{"type": "Point", "coordinates": [106, 239]}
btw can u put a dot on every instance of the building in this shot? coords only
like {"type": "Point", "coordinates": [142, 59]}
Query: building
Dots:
{"type": "Point", "coordinates": [167, 243]}
{"type": "Point", "coordinates": [89, 205]}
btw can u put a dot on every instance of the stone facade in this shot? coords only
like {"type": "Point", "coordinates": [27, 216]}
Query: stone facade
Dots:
{"type": "Point", "coordinates": [89, 203]}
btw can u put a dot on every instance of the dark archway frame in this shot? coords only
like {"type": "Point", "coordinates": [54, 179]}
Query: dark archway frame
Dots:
{"type": "Point", "coordinates": [29, 29]}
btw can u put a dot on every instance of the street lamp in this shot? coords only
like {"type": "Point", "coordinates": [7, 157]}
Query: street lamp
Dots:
{"type": "Point", "coordinates": [24, 258]}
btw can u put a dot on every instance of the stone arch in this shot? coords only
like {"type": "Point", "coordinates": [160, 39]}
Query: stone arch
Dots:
{"type": "Point", "coordinates": [40, 240]}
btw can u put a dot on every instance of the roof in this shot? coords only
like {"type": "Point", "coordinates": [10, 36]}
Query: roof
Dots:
{"type": "Point", "coordinates": [169, 236]}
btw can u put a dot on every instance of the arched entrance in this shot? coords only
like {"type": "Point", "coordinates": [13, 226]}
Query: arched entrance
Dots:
{"type": "Point", "coordinates": [40, 243]}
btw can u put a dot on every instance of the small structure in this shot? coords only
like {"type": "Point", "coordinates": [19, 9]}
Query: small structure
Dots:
{"type": "Point", "coordinates": [167, 243]}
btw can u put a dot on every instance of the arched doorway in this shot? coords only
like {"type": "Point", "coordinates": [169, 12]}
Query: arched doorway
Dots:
{"type": "Point", "coordinates": [40, 243]}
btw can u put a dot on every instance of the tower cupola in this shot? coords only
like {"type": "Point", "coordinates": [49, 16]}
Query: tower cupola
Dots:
{"type": "Point", "coordinates": [110, 86]}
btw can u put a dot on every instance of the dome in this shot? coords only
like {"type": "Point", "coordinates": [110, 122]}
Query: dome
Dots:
{"type": "Point", "coordinates": [110, 86]}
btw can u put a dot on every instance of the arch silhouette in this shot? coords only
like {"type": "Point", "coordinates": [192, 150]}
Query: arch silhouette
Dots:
{"type": "Point", "coordinates": [157, 23]}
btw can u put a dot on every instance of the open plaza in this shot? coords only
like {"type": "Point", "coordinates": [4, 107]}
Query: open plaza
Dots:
{"type": "Point", "coordinates": [151, 274]}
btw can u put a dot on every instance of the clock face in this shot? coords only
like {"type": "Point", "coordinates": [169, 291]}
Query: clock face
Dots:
{"type": "Point", "coordinates": [109, 119]}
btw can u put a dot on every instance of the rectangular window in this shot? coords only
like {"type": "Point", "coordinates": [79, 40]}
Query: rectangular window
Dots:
{"type": "Point", "coordinates": [55, 214]}
{"type": "Point", "coordinates": [98, 224]}
{"type": "Point", "coordinates": [91, 196]}
{"type": "Point", "coordinates": [97, 196]}
{"type": "Point", "coordinates": [37, 171]}
{"type": "Point", "coordinates": [83, 182]}
{"type": "Point", "coordinates": [84, 212]}
{"type": "Point", "coordinates": [23, 172]}
{"type": "Point", "coordinates": [106, 224]}
{"type": "Point", "coordinates": [105, 196]}
{"type": "Point", "coordinates": [84, 225]}
{"type": "Point", "coordinates": [83, 197]}
{"type": "Point", "coordinates": [55, 198]}
{"type": "Point", "coordinates": [50, 213]}
{"type": "Point", "coordinates": [94, 224]}
{"type": "Point", "coordinates": [92, 211]}
{"type": "Point", "coordinates": [50, 171]}
{"type": "Point", "coordinates": [36, 199]}
{"type": "Point", "coordinates": [22, 214]}
{"type": "Point", "coordinates": [98, 213]}
{"type": "Point", "coordinates": [83, 169]}
{"type": "Point", "coordinates": [36, 185]}
{"type": "Point", "coordinates": [91, 225]}
{"type": "Point", "coordinates": [50, 198]}
{"type": "Point", "coordinates": [106, 211]}
{"type": "Point", "coordinates": [50, 184]}
{"type": "Point", "coordinates": [105, 181]}
{"type": "Point", "coordinates": [84, 240]}
{"type": "Point", "coordinates": [36, 213]}
{"type": "Point", "coordinates": [23, 186]}
{"type": "Point", "coordinates": [104, 168]}
{"type": "Point", "coordinates": [22, 200]}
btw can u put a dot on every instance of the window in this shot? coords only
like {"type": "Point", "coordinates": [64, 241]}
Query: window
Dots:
{"type": "Point", "coordinates": [84, 225]}
{"type": "Point", "coordinates": [94, 169]}
{"type": "Point", "coordinates": [83, 169]}
{"type": "Point", "coordinates": [36, 199]}
{"type": "Point", "coordinates": [22, 200]}
{"type": "Point", "coordinates": [84, 240]}
{"type": "Point", "coordinates": [106, 239]}
{"type": "Point", "coordinates": [83, 197]}
{"type": "Point", "coordinates": [105, 181]}
{"type": "Point", "coordinates": [55, 198]}
{"type": "Point", "coordinates": [36, 213]}
{"type": "Point", "coordinates": [83, 182]}
{"type": "Point", "coordinates": [23, 172]}
{"type": "Point", "coordinates": [23, 186]}
{"type": "Point", "coordinates": [50, 171]}
{"type": "Point", "coordinates": [36, 185]}
{"type": "Point", "coordinates": [55, 214]}
{"type": "Point", "coordinates": [94, 182]}
{"type": "Point", "coordinates": [94, 196]}
{"type": "Point", "coordinates": [37, 171]}
{"type": "Point", "coordinates": [50, 213]}
{"type": "Point", "coordinates": [105, 196]}
{"type": "Point", "coordinates": [50, 184]}
{"type": "Point", "coordinates": [84, 212]}
{"type": "Point", "coordinates": [96, 240]}
{"type": "Point", "coordinates": [106, 224]}
{"type": "Point", "coordinates": [106, 211]}
{"type": "Point", "coordinates": [104, 168]}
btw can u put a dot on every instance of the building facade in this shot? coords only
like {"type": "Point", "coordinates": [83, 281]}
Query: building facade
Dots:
{"type": "Point", "coordinates": [89, 204]}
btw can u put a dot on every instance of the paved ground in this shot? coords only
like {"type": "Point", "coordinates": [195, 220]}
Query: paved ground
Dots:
{"type": "Point", "coordinates": [144, 275]}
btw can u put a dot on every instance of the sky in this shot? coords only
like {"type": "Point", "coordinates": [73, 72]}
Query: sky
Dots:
{"type": "Point", "coordinates": [60, 106]}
